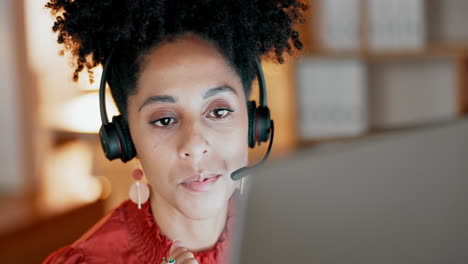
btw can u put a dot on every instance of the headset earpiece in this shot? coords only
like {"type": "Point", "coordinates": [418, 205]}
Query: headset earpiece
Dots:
{"type": "Point", "coordinates": [110, 141]}
{"type": "Point", "coordinates": [251, 107]}
{"type": "Point", "coordinates": [263, 124]}
{"type": "Point", "coordinates": [128, 149]}
{"type": "Point", "coordinates": [116, 140]}
{"type": "Point", "coordinates": [259, 117]}
{"type": "Point", "coordinates": [259, 124]}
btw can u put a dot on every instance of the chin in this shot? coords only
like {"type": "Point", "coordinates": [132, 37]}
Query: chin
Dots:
{"type": "Point", "coordinates": [201, 213]}
{"type": "Point", "coordinates": [205, 205]}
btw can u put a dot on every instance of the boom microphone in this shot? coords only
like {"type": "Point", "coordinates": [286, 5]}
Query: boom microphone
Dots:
{"type": "Point", "coordinates": [242, 172]}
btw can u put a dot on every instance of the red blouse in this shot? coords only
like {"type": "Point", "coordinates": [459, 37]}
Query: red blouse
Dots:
{"type": "Point", "coordinates": [129, 235]}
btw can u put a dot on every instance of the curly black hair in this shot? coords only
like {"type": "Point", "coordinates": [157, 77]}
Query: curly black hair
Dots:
{"type": "Point", "coordinates": [241, 30]}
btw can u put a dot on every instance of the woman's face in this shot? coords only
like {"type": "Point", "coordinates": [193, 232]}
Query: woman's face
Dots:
{"type": "Point", "coordinates": [188, 121]}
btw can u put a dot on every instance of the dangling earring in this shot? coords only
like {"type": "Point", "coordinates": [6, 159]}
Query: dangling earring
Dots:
{"type": "Point", "coordinates": [139, 192]}
{"type": "Point", "coordinates": [242, 186]}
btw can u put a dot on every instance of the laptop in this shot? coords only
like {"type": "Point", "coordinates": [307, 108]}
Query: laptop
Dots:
{"type": "Point", "coordinates": [400, 197]}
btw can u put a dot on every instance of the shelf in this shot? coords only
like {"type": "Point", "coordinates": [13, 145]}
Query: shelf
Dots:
{"type": "Point", "coordinates": [379, 131]}
{"type": "Point", "coordinates": [46, 232]}
{"type": "Point", "coordinates": [432, 51]}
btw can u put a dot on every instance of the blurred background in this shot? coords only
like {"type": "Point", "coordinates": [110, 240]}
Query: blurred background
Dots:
{"type": "Point", "coordinates": [368, 67]}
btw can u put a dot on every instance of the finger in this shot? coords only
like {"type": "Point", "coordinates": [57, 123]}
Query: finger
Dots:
{"type": "Point", "coordinates": [166, 260]}
{"type": "Point", "coordinates": [181, 255]}
{"type": "Point", "coordinates": [176, 253]}
{"type": "Point", "coordinates": [175, 245]}
{"type": "Point", "coordinates": [184, 257]}
{"type": "Point", "coordinates": [190, 261]}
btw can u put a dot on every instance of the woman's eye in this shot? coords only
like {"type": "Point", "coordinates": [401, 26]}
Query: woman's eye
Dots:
{"type": "Point", "coordinates": [164, 122]}
{"type": "Point", "coordinates": [220, 112]}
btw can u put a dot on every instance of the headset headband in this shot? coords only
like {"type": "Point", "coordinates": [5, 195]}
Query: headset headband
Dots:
{"type": "Point", "coordinates": [102, 90]}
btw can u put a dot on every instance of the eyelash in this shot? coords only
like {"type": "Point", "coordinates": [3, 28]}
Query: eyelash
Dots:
{"type": "Point", "coordinates": [175, 121]}
{"type": "Point", "coordinates": [222, 109]}
{"type": "Point", "coordinates": [159, 120]}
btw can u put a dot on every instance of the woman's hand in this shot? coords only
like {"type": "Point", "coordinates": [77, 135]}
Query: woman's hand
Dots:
{"type": "Point", "coordinates": [180, 254]}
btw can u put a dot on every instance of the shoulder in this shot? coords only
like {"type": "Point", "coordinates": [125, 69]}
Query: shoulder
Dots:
{"type": "Point", "coordinates": [67, 255]}
{"type": "Point", "coordinates": [109, 228]}
{"type": "Point", "coordinates": [105, 242]}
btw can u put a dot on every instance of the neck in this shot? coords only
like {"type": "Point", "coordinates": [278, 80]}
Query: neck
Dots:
{"type": "Point", "coordinates": [197, 235]}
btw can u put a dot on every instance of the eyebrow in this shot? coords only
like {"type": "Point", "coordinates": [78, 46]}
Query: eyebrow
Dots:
{"type": "Point", "coordinates": [217, 90]}
{"type": "Point", "coordinates": [169, 99]}
{"type": "Point", "coordinates": [158, 99]}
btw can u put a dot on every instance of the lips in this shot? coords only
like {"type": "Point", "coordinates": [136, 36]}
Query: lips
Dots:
{"type": "Point", "coordinates": [201, 177]}
{"type": "Point", "coordinates": [201, 182]}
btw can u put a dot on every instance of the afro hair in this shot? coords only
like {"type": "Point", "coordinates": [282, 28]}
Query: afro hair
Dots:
{"type": "Point", "coordinates": [241, 30]}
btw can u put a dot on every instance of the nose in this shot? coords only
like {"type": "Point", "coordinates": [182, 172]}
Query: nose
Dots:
{"type": "Point", "coordinates": [193, 144]}
{"type": "Point", "coordinates": [193, 153]}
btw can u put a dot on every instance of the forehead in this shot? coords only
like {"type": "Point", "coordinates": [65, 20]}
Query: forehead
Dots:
{"type": "Point", "coordinates": [186, 64]}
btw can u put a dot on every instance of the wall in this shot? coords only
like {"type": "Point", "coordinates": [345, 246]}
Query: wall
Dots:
{"type": "Point", "coordinates": [10, 180]}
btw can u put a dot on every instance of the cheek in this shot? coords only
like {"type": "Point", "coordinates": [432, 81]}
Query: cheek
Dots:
{"type": "Point", "coordinates": [233, 147]}
{"type": "Point", "coordinates": [151, 151]}
{"type": "Point", "coordinates": [231, 144]}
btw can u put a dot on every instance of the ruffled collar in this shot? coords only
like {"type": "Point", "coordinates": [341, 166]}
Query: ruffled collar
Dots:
{"type": "Point", "coordinates": [151, 246]}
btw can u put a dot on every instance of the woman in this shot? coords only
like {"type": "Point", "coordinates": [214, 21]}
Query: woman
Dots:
{"type": "Point", "coordinates": [180, 74]}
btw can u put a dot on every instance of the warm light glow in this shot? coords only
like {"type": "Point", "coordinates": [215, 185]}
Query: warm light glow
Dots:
{"type": "Point", "coordinates": [84, 81]}
{"type": "Point", "coordinates": [106, 187]}
{"type": "Point", "coordinates": [68, 181]}
{"type": "Point", "coordinates": [82, 114]}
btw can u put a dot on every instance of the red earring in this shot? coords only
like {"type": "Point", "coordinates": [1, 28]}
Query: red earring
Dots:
{"type": "Point", "coordinates": [139, 191]}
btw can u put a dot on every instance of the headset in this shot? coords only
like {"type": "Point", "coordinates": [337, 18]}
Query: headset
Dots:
{"type": "Point", "coordinates": [117, 143]}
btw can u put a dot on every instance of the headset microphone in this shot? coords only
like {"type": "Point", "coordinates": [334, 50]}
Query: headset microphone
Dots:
{"type": "Point", "coordinates": [242, 172]}
{"type": "Point", "coordinates": [260, 124]}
